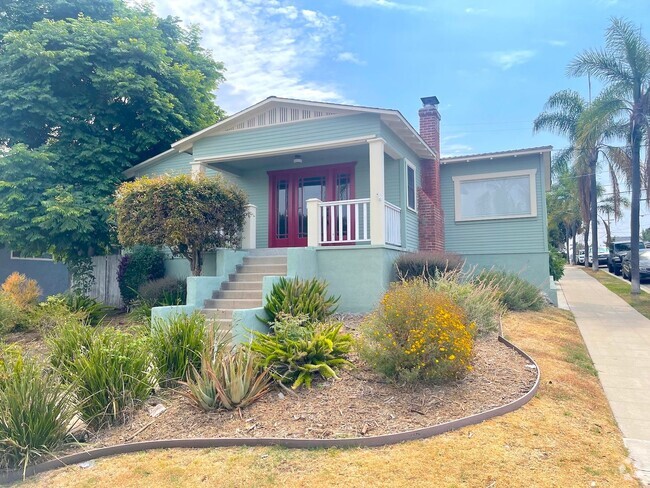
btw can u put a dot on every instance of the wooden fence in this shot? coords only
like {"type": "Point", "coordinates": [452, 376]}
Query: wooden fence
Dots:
{"type": "Point", "coordinates": [106, 288]}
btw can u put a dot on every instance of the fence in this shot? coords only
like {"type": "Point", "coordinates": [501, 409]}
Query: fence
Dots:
{"type": "Point", "coordinates": [105, 288]}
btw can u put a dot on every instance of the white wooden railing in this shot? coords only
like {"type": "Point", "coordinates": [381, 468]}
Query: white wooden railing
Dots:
{"type": "Point", "coordinates": [393, 224]}
{"type": "Point", "coordinates": [344, 221]}
{"type": "Point", "coordinates": [348, 222]}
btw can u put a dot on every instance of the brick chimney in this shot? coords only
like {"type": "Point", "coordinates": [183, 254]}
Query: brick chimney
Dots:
{"type": "Point", "coordinates": [431, 236]}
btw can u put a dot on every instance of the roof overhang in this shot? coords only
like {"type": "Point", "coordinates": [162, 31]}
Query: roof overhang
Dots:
{"type": "Point", "coordinates": [543, 151]}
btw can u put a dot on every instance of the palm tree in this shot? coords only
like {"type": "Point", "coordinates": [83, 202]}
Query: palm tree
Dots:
{"type": "Point", "coordinates": [588, 127]}
{"type": "Point", "coordinates": [611, 206]}
{"type": "Point", "coordinates": [624, 65]}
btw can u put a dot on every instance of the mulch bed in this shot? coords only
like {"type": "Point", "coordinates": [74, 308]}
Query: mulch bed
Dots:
{"type": "Point", "coordinates": [361, 403]}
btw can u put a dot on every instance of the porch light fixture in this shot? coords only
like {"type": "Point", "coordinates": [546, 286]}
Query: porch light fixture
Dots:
{"type": "Point", "coordinates": [297, 159]}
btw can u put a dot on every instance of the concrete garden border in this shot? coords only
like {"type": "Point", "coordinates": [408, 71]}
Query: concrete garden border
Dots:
{"type": "Point", "coordinates": [12, 476]}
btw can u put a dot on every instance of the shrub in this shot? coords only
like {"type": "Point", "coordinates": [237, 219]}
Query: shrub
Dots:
{"type": "Point", "coordinates": [111, 370]}
{"type": "Point", "coordinates": [228, 379]}
{"type": "Point", "coordinates": [35, 412]}
{"type": "Point", "coordinates": [426, 264]}
{"type": "Point", "coordinates": [91, 309]}
{"type": "Point", "coordinates": [481, 301]}
{"type": "Point", "coordinates": [297, 297]}
{"type": "Point", "coordinates": [298, 350]}
{"type": "Point", "coordinates": [417, 334]}
{"type": "Point", "coordinates": [516, 293]}
{"type": "Point", "coordinates": [21, 290]}
{"type": "Point", "coordinates": [143, 264]}
{"type": "Point", "coordinates": [556, 264]}
{"type": "Point", "coordinates": [11, 316]}
{"type": "Point", "coordinates": [11, 359]}
{"type": "Point", "coordinates": [158, 293]}
{"type": "Point", "coordinates": [178, 343]}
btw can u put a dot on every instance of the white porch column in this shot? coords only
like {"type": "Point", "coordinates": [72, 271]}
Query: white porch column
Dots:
{"type": "Point", "coordinates": [197, 169]}
{"type": "Point", "coordinates": [249, 237]}
{"type": "Point", "coordinates": [313, 222]}
{"type": "Point", "coordinates": [377, 210]}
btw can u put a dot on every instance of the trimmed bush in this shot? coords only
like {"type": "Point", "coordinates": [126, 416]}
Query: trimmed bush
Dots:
{"type": "Point", "coordinates": [164, 291]}
{"type": "Point", "coordinates": [296, 297]}
{"type": "Point", "coordinates": [298, 350]}
{"type": "Point", "coordinates": [21, 290]}
{"type": "Point", "coordinates": [178, 344]}
{"type": "Point", "coordinates": [35, 412]}
{"type": "Point", "coordinates": [426, 264]}
{"type": "Point", "coordinates": [417, 334]}
{"type": "Point", "coordinates": [111, 371]}
{"type": "Point", "coordinates": [142, 264]}
{"type": "Point", "coordinates": [516, 293]}
{"type": "Point", "coordinates": [481, 301]}
{"type": "Point", "coordinates": [556, 264]}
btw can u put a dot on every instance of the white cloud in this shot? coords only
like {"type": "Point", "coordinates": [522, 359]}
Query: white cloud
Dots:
{"type": "Point", "coordinates": [348, 57]}
{"type": "Point", "coordinates": [453, 150]}
{"type": "Point", "coordinates": [507, 59]}
{"type": "Point", "coordinates": [556, 42]}
{"type": "Point", "coordinates": [475, 11]}
{"type": "Point", "coordinates": [267, 47]}
{"type": "Point", "coordinates": [389, 4]}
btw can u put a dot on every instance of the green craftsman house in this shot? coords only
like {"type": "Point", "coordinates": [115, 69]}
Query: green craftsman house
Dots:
{"type": "Point", "coordinates": [339, 191]}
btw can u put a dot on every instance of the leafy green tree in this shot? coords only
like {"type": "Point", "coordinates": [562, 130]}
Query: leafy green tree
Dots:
{"type": "Point", "coordinates": [81, 100]}
{"type": "Point", "coordinates": [188, 215]}
{"type": "Point", "coordinates": [564, 216]}
{"type": "Point", "coordinates": [624, 65]}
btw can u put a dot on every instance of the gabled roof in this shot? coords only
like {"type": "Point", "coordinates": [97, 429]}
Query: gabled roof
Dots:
{"type": "Point", "coordinates": [276, 110]}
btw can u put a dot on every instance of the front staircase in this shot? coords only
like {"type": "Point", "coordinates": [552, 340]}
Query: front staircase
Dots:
{"type": "Point", "coordinates": [244, 288]}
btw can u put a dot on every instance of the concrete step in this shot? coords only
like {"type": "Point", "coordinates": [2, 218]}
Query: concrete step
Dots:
{"type": "Point", "coordinates": [265, 260]}
{"type": "Point", "coordinates": [217, 314]}
{"type": "Point", "coordinates": [267, 269]}
{"type": "Point", "coordinates": [271, 251]}
{"type": "Point", "coordinates": [242, 285]}
{"type": "Point", "coordinates": [251, 277]}
{"type": "Point", "coordinates": [238, 294]}
{"type": "Point", "coordinates": [221, 303]}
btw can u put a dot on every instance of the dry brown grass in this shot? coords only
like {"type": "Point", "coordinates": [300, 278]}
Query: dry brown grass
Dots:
{"type": "Point", "coordinates": [564, 437]}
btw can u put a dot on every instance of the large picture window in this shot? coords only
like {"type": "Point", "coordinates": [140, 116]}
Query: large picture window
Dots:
{"type": "Point", "coordinates": [505, 195]}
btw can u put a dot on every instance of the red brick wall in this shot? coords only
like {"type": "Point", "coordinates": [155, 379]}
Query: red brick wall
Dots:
{"type": "Point", "coordinates": [432, 231]}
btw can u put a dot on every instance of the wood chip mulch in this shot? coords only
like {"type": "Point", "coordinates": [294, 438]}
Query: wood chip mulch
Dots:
{"type": "Point", "coordinates": [361, 403]}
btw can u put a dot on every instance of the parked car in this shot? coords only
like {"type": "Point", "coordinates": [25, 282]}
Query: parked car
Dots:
{"type": "Point", "coordinates": [617, 251]}
{"type": "Point", "coordinates": [644, 265]}
{"type": "Point", "coordinates": [581, 257]}
{"type": "Point", "coordinates": [603, 254]}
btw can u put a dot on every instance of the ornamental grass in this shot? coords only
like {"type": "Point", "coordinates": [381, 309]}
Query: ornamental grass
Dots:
{"type": "Point", "coordinates": [418, 334]}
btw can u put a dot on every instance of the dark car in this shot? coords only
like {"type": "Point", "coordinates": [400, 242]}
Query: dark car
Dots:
{"type": "Point", "coordinates": [644, 265]}
{"type": "Point", "coordinates": [617, 251]}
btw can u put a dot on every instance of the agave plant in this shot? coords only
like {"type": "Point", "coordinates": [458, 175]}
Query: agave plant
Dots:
{"type": "Point", "coordinates": [296, 297]}
{"type": "Point", "coordinates": [228, 379]}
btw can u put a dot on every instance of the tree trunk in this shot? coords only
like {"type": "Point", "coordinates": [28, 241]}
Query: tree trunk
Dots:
{"type": "Point", "coordinates": [197, 262]}
{"type": "Point", "coordinates": [566, 248]}
{"type": "Point", "coordinates": [608, 232]}
{"type": "Point", "coordinates": [594, 213]}
{"type": "Point", "coordinates": [635, 141]}
{"type": "Point", "coordinates": [575, 247]}
{"type": "Point", "coordinates": [586, 263]}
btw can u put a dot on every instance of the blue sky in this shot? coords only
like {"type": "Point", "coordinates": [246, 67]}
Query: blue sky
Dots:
{"type": "Point", "coordinates": [491, 64]}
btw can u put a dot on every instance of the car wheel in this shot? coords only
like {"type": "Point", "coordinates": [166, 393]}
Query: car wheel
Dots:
{"type": "Point", "coordinates": [609, 268]}
{"type": "Point", "coordinates": [617, 272]}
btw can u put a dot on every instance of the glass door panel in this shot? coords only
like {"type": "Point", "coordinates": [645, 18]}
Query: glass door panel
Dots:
{"type": "Point", "coordinates": [312, 187]}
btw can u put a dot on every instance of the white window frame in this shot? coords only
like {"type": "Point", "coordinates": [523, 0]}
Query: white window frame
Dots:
{"type": "Point", "coordinates": [532, 178]}
{"type": "Point", "coordinates": [28, 258]}
{"type": "Point", "coordinates": [409, 164]}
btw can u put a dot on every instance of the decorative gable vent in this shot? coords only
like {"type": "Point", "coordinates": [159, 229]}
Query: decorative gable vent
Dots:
{"type": "Point", "coordinates": [280, 115]}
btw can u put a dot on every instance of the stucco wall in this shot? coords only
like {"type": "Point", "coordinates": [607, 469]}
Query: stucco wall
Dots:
{"type": "Point", "coordinates": [52, 277]}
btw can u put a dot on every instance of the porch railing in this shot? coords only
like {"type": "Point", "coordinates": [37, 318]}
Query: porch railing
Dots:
{"type": "Point", "coordinates": [393, 224]}
{"type": "Point", "coordinates": [344, 221]}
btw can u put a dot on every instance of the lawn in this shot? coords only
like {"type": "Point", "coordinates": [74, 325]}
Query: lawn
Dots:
{"type": "Point", "coordinates": [566, 436]}
{"type": "Point", "coordinates": [640, 302]}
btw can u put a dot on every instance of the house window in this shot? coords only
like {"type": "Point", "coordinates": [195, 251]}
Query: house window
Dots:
{"type": "Point", "coordinates": [411, 201]}
{"type": "Point", "coordinates": [505, 195]}
{"type": "Point", "coordinates": [40, 257]}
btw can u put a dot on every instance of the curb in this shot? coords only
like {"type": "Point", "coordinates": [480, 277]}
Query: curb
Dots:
{"type": "Point", "coordinates": [12, 476]}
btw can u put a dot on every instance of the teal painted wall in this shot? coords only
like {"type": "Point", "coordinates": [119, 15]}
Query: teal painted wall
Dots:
{"type": "Point", "coordinates": [515, 245]}
{"type": "Point", "coordinates": [359, 274]}
{"type": "Point", "coordinates": [293, 134]}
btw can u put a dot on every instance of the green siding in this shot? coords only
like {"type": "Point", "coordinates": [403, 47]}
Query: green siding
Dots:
{"type": "Point", "coordinates": [392, 181]}
{"type": "Point", "coordinates": [178, 163]}
{"type": "Point", "coordinates": [293, 134]}
{"type": "Point", "coordinates": [494, 236]}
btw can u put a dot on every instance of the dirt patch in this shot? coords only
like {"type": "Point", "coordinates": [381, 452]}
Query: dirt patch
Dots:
{"type": "Point", "coordinates": [360, 403]}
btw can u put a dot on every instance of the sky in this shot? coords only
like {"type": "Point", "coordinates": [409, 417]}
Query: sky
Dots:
{"type": "Point", "coordinates": [492, 64]}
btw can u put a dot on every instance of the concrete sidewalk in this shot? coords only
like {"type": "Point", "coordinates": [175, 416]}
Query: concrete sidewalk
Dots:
{"type": "Point", "coordinates": [618, 339]}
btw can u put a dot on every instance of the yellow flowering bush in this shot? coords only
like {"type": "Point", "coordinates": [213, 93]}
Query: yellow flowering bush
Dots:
{"type": "Point", "coordinates": [418, 334]}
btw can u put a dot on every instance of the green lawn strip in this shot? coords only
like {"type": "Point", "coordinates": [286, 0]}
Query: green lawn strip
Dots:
{"type": "Point", "coordinates": [640, 303]}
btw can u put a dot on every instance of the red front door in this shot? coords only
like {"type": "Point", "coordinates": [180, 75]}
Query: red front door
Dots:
{"type": "Point", "coordinates": [289, 191]}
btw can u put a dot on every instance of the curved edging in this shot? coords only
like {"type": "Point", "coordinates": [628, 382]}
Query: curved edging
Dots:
{"type": "Point", "coordinates": [372, 441]}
